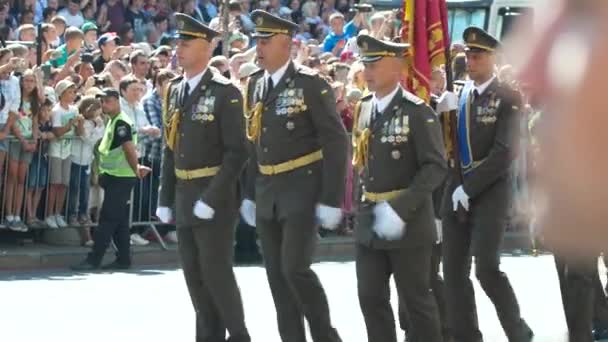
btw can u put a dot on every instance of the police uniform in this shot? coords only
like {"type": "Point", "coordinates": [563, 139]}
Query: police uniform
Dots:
{"type": "Point", "coordinates": [203, 156]}
{"type": "Point", "coordinates": [488, 124]}
{"type": "Point", "coordinates": [298, 160]}
{"type": "Point", "coordinates": [117, 178]}
{"type": "Point", "coordinates": [400, 152]}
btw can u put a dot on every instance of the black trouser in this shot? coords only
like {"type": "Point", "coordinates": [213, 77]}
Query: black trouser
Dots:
{"type": "Point", "coordinates": [480, 237]}
{"type": "Point", "coordinates": [583, 297]}
{"type": "Point", "coordinates": [246, 247]}
{"type": "Point", "coordinates": [113, 220]}
{"type": "Point", "coordinates": [436, 282]}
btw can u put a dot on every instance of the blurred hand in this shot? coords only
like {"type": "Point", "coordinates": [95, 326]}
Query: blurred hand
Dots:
{"type": "Point", "coordinates": [142, 171]}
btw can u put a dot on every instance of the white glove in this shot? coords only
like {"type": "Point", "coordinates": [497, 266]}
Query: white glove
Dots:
{"type": "Point", "coordinates": [459, 196]}
{"type": "Point", "coordinates": [387, 223]}
{"type": "Point", "coordinates": [203, 211]}
{"type": "Point", "coordinates": [439, 231]}
{"type": "Point", "coordinates": [447, 102]}
{"type": "Point", "coordinates": [248, 212]}
{"type": "Point", "coordinates": [164, 214]}
{"type": "Point", "coordinates": [328, 217]}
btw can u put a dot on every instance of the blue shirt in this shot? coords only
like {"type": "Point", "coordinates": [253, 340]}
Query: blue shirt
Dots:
{"type": "Point", "coordinates": [350, 30]}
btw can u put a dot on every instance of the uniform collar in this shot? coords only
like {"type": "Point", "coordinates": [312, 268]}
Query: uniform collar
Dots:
{"type": "Point", "coordinates": [277, 75]}
{"type": "Point", "coordinates": [482, 87]}
{"type": "Point", "coordinates": [382, 103]}
{"type": "Point", "coordinates": [195, 80]}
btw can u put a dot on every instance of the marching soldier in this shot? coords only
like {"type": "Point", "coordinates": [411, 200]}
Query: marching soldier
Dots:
{"type": "Point", "coordinates": [398, 146]}
{"type": "Point", "coordinates": [203, 156]}
{"type": "Point", "coordinates": [478, 195]}
{"type": "Point", "coordinates": [295, 176]}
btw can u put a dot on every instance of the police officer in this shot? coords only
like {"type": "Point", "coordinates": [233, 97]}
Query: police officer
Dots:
{"type": "Point", "coordinates": [295, 176]}
{"type": "Point", "coordinates": [118, 170]}
{"type": "Point", "coordinates": [203, 156]}
{"type": "Point", "coordinates": [480, 188]}
{"type": "Point", "coordinates": [398, 147]}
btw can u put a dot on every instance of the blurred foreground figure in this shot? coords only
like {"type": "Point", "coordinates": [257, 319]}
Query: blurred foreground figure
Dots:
{"type": "Point", "coordinates": [567, 68]}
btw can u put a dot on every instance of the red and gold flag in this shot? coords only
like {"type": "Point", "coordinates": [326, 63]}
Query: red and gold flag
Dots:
{"type": "Point", "coordinates": [425, 28]}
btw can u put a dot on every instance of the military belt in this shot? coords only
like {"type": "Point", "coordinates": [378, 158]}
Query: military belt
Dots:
{"type": "Point", "coordinates": [197, 173]}
{"type": "Point", "coordinates": [381, 196]}
{"type": "Point", "coordinates": [290, 165]}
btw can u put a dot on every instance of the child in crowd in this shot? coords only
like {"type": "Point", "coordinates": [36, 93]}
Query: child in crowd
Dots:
{"type": "Point", "coordinates": [10, 98]}
{"type": "Point", "coordinates": [82, 157]}
{"type": "Point", "coordinates": [21, 148]}
{"type": "Point", "coordinates": [38, 174]}
{"type": "Point", "coordinates": [66, 125]}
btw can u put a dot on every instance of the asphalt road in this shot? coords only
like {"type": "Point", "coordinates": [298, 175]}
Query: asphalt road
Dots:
{"type": "Point", "coordinates": [153, 304]}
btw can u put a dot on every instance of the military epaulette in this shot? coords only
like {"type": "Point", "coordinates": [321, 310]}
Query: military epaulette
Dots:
{"type": "Point", "coordinates": [412, 98]}
{"type": "Point", "coordinates": [367, 97]}
{"type": "Point", "coordinates": [177, 79]}
{"type": "Point", "coordinates": [304, 70]}
{"type": "Point", "coordinates": [219, 78]}
{"type": "Point", "coordinates": [258, 71]}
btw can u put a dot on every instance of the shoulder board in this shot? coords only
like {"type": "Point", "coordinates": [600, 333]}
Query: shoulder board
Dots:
{"type": "Point", "coordinates": [367, 97]}
{"type": "Point", "coordinates": [304, 70]}
{"type": "Point", "coordinates": [219, 78]}
{"type": "Point", "coordinates": [460, 83]}
{"type": "Point", "coordinates": [177, 79]}
{"type": "Point", "coordinates": [412, 98]}
{"type": "Point", "coordinates": [258, 71]}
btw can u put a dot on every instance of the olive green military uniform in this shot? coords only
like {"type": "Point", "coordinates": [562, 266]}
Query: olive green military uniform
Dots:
{"type": "Point", "coordinates": [488, 125]}
{"type": "Point", "coordinates": [204, 154]}
{"type": "Point", "coordinates": [401, 154]}
{"type": "Point", "coordinates": [298, 160]}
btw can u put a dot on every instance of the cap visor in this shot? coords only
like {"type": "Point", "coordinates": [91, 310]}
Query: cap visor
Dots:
{"type": "Point", "coordinates": [371, 59]}
{"type": "Point", "coordinates": [184, 36]}
{"type": "Point", "coordinates": [477, 49]}
{"type": "Point", "coordinates": [262, 34]}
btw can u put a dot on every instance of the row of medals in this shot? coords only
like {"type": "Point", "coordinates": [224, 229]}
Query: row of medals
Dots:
{"type": "Point", "coordinates": [289, 104]}
{"type": "Point", "coordinates": [203, 107]}
{"type": "Point", "coordinates": [395, 133]}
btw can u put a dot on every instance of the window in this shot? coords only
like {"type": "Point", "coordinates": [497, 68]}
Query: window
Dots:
{"type": "Point", "coordinates": [461, 18]}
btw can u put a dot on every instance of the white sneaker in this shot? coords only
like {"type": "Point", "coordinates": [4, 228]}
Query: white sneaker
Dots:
{"type": "Point", "coordinates": [137, 240]}
{"type": "Point", "coordinates": [60, 221]}
{"type": "Point", "coordinates": [171, 236]}
{"type": "Point", "coordinates": [51, 222]}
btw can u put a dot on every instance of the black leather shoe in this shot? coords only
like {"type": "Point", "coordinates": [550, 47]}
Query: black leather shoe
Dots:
{"type": "Point", "coordinates": [118, 266]}
{"type": "Point", "coordinates": [85, 265]}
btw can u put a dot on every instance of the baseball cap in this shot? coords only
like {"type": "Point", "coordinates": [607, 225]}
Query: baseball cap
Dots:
{"type": "Point", "coordinates": [88, 26]}
{"type": "Point", "coordinates": [107, 92]}
{"type": "Point", "coordinates": [108, 36]}
{"type": "Point", "coordinates": [62, 86]}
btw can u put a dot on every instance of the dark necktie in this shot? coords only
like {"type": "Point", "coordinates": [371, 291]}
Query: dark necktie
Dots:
{"type": "Point", "coordinates": [475, 95]}
{"type": "Point", "coordinates": [270, 86]}
{"type": "Point", "coordinates": [375, 113]}
{"type": "Point", "coordinates": [186, 93]}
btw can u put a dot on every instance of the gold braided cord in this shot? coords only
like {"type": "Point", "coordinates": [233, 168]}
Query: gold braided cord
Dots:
{"type": "Point", "coordinates": [360, 141]}
{"type": "Point", "coordinates": [254, 121]}
{"type": "Point", "coordinates": [173, 128]}
{"type": "Point", "coordinates": [253, 117]}
{"type": "Point", "coordinates": [168, 120]}
{"type": "Point", "coordinates": [360, 149]}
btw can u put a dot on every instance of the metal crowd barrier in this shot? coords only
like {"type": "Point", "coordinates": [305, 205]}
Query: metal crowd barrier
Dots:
{"type": "Point", "coordinates": [143, 197]}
